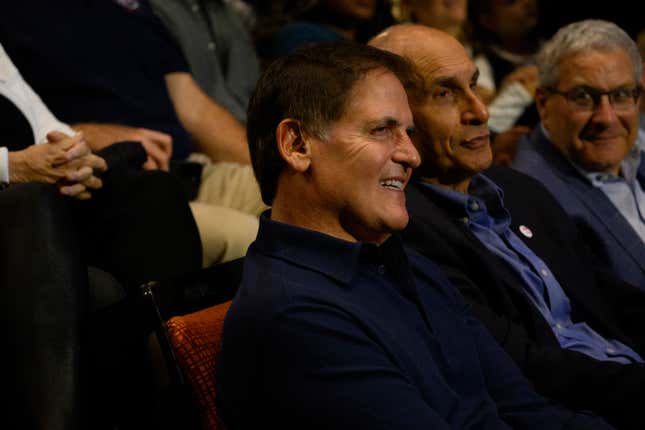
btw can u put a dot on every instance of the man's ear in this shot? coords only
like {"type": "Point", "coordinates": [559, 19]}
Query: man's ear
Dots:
{"type": "Point", "coordinates": [293, 144]}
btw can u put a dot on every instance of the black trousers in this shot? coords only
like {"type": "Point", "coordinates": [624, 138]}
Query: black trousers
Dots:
{"type": "Point", "coordinates": [71, 345]}
{"type": "Point", "coordinates": [43, 283]}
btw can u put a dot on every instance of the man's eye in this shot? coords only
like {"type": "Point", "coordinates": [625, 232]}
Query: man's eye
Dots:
{"type": "Point", "coordinates": [444, 94]}
{"type": "Point", "coordinates": [379, 131]}
{"type": "Point", "coordinates": [621, 94]}
{"type": "Point", "coordinates": [580, 95]}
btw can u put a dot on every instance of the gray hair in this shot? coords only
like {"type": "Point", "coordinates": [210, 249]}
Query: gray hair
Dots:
{"type": "Point", "coordinates": [584, 36]}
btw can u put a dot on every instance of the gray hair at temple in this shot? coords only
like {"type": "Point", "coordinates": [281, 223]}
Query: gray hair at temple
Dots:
{"type": "Point", "coordinates": [584, 36]}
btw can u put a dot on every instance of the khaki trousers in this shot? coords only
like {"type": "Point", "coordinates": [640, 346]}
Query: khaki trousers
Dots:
{"type": "Point", "coordinates": [226, 210]}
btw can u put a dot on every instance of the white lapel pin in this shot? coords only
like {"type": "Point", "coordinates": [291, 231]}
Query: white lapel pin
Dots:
{"type": "Point", "coordinates": [526, 231]}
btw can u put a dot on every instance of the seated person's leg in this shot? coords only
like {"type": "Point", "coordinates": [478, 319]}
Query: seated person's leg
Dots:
{"type": "Point", "coordinates": [225, 233]}
{"type": "Point", "coordinates": [42, 287]}
{"type": "Point", "coordinates": [226, 211]}
{"type": "Point", "coordinates": [231, 185]}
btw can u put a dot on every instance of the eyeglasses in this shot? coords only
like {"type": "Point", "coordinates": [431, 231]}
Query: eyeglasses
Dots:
{"type": "Point", "coordinates": [587, 98]}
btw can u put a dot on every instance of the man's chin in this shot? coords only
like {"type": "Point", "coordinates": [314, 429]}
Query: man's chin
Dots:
{"type": "Point", "coordinates": [398, 222]}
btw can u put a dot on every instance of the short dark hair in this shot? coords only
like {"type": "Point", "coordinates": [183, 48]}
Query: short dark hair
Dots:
{"type": "Point", "coordinates": [312, 86]}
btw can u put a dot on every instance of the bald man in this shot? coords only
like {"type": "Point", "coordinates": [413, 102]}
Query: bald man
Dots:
{"type": "Point", "coordinates": [509, 248]}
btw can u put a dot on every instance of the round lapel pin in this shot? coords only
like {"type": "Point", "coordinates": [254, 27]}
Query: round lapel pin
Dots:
{"type": "Point", "coordinates": [526, 231]}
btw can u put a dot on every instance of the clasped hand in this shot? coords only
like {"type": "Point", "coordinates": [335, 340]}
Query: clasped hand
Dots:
{"type": "Point", "coordinates": [63, 160]}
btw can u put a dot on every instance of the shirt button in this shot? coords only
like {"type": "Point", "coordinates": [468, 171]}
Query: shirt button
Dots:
{"type": "Point", "coordinates": [610, 350]}
{"type": "Point", "coordinates": [211, 46]}
{"type": "Point", "coordinates": [381, 269]}
{"type": "Point", "coordinates": [464, 220]}
{"type": "Point", "coordinates": [194, 7]}
{"type": "Point", "coordinates": [474, 206]}
{"type": "Point", "coordinates": [558, 326]}
{"type": "Point", "coordinates": [544, 272]}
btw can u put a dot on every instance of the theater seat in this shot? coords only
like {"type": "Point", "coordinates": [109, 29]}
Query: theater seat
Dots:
{"type": "Point", "coordinates": [195, 339]}
{"type": "Point", "coordinates": [186, 315]}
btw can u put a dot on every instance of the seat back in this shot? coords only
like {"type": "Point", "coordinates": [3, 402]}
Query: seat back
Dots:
{"type": "Point", "coordinates": [195, 340]}
{"type": "Point", "coordinates": [186, 315]}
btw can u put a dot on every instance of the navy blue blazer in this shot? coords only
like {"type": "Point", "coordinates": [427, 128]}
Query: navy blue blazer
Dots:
{"type": "Point", "coordinates": [612, 240]}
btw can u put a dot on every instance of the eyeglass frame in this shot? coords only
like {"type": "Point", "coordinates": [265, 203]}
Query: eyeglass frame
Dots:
{"type": "Point", "coordinates": [596, 95]}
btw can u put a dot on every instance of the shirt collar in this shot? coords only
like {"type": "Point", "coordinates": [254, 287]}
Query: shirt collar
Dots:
{"type": "Point", "coordinates": [336, 258]}
{"type": "Point", "coordinates": [483, 195]}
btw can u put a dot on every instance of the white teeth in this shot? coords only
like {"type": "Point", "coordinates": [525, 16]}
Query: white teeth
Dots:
{"type": "Point", "coordinates": [392, 183]}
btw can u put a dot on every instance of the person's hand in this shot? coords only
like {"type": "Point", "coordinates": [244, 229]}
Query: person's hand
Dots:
{"type": "Point", "coordinates": [65, 161]}
{"type": "Point", "coordinates": [504, 145]}
{"type": "Point", "coordinates": [81, 169]}
{"type": "Point", "coordinates": [526, 75]}
{"type": "Point", "coordinates": [157, 145]}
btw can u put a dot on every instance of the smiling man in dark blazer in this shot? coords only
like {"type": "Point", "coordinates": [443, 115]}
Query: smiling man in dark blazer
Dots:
{"type": "Point", "coordinates": [509, 248]}
{"type": "Point", "coordinates": [585, 150]}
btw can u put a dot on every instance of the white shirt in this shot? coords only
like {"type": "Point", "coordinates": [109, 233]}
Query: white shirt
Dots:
{"type": "Point", "coordinates": [41, 120]}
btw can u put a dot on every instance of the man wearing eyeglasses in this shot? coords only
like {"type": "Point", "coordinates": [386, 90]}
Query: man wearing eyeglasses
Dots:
{"type": "Point", "coordinates": [585, 150]}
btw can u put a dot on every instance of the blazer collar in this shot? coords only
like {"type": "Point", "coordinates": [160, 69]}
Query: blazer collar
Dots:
{"type": "Point", "coordinates": [594, 200]}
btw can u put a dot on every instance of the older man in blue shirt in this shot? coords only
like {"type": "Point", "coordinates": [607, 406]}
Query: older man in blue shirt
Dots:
{"type": "Point", "coordinates": [335, 324]}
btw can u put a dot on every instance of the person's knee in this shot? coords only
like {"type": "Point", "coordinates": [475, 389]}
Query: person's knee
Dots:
{"type": "Point", "coordinates": [225, 233]}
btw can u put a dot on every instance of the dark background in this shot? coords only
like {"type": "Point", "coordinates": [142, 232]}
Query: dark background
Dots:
{"type": "Point", "coordinates": [627, 14]}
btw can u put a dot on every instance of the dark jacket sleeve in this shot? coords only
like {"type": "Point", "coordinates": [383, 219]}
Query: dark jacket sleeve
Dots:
{"type": "Point", "coordinates": [610, 389]}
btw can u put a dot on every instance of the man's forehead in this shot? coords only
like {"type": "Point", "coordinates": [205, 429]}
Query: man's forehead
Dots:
{"type": "Point", "coordinates": [600, 64]}
{"type": "Point", "coordinates": [444, 61]}
{"type": "Point", "coordinates": [377, 97]}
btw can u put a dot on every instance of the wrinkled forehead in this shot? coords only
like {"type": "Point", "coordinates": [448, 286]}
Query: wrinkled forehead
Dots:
{"type": "Point", "coordinates": [611, 66]}
{"type": "Point", "coordinates": [439, 64]}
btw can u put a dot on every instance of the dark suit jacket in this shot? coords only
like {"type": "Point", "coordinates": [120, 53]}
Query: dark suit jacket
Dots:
{"type": "Point", "coordinates": [613, 241]}
{"type": "Point", "coordinates": [613, 308]}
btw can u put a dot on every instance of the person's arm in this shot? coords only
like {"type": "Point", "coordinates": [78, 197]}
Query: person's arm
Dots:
{"type": "Point", "coordinates": [611, 389]}
{"type": "Point", "coordinates": [517, 402]}
{"type": "Point", "coordinates": [214, 130]}
{"type": "Point", "coordinates": [158, 145]}
{"type": "Point", "coordinates": [64, 160]}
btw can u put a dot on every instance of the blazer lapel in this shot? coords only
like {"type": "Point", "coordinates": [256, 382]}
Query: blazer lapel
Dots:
{"type": "Point", "coordinates": [594, 200]}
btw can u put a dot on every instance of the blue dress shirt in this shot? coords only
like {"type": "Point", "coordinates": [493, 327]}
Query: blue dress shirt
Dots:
{"type": "Point", "coordinates": [329, 334]}
{"type": "Point", "coordinates": [488, 219]}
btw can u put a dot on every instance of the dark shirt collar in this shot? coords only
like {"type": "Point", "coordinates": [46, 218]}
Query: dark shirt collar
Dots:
{"type": "Point", "coordinates": [337, 258]}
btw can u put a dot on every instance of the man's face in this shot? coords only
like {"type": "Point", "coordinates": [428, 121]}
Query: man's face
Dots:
{"type": "Point", "coordinates": [357, 9]}
{"type": "Point", "coordinates": [451, 120]}
{"type": "Point", "coordinates": [599, 138]}
{"type": "Point", "coordinates": [359, 171]}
